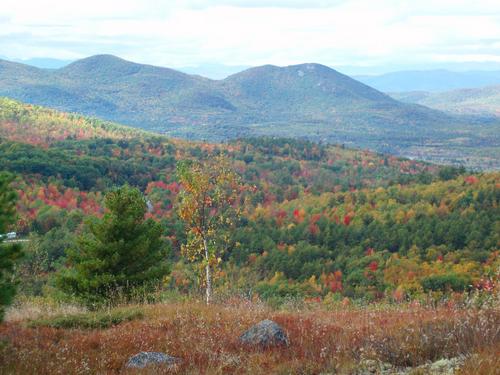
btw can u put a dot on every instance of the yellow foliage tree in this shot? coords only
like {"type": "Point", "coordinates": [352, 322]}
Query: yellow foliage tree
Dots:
{"type": "Point", "coordinates": [207, 205]}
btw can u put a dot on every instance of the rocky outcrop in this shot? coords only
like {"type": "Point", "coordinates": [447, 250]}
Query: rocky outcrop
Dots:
{"type": "Point", "coordinates": [265, 334]}
{"type": "Point", "coordinates": [144, 359]}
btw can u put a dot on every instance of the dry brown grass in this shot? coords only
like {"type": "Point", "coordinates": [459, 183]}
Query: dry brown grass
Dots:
{"type": "Point", "coordinates": [37, 307]}
{"type": "Point", "coordinates": [485, 362]}
{"type": "Point", "coordinates": [206, 338]}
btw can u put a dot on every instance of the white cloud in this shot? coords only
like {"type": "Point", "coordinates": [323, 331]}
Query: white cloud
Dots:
{"type": "Point", "coordinates": [187, 32]}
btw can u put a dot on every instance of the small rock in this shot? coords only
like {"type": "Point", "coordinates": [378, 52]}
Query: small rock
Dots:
{"type": "Point", "coordinates": [144, 359]}
{"type": "Point", "coordinates": [265, 334]}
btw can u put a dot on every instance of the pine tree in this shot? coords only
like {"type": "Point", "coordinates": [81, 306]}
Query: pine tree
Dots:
{"type": "Point", "coordinates": [117, 254]}
{"type": "Point", "coordinates": [9, 253]}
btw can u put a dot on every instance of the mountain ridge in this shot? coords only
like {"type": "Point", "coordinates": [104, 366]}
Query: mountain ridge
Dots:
{"type": "Point", "coordinates": [308, 100]}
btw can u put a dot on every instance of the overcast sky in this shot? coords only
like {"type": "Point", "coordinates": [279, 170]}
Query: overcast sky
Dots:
{"type": "Point", "coordinates": [180, 33]}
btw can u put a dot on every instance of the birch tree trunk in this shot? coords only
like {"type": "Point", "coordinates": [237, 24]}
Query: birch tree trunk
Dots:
{"type": "Point", "coordinates": [207, 273]}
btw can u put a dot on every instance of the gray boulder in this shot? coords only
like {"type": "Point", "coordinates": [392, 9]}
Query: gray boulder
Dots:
{"type": "Point", "coordinates": [265, 334]}
{"type": "Point", "coordinates": [144, 359]}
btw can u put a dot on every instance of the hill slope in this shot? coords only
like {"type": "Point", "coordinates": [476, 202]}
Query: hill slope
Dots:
{"type": "Point", "coordinates": [307, 101]}
{"type": "Point", "coordinates": [476, 101]}
{"type": "Point", "coordinates": [47, 142]}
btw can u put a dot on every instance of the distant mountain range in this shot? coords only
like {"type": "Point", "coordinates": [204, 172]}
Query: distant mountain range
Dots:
{"type": "Point", "coordinates": [456, 76]}
{"type": "Point", "coordinates": [307, 100]}
{"type": "Point", "coordinates": [214, 71]}
{"type": "Point", "coordinates": [430, 80]}
{"type": "Point", "coordinates": [44, 62]}
{"type": "Point", "coordinates": [477, 101]}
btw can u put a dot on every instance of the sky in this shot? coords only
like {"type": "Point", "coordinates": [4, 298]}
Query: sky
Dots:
{"type": "Point", "coordinates": [367, 35]}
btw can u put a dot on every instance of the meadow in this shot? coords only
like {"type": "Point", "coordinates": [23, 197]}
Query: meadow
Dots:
{"type": "Point", "coordinates": [337, 339]}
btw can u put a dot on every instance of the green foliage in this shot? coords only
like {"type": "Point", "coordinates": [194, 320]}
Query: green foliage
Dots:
{"type": "Point", "coordinates": [120, 252]}
{"type": "Point", "coordinates": [90, 320]}
{"type": "Point", "coordinates": [449, 173]}
{"type": "Point", "coordinates": [7, 202]}
{"type": "Point", "coordinates": [9, 253]}
{"type": "Point", "coordinates": [281, 289]}
{"type": "Point", "coordinates": [305, 261]}
{"type": "Point", "coordinates": [83, 164]}
{"type": "Point", "coordinates": [43, 255]}
{"type": "Point", "coordinates": [445, 283]}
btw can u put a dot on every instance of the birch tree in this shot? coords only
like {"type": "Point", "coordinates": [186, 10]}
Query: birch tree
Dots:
{"type": "Point", "coordinates": [207, 205]}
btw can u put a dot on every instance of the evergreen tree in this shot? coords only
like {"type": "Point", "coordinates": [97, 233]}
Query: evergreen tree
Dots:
{"type": "Point", "coordinates": [117, 254]}
{"type": "Point", "coordinates": [9, 253]}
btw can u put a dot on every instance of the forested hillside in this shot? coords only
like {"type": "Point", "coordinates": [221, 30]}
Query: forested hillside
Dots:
{"type": "Point", "coordinates": [320, 221]}
{"type": "Point", "coordinates": [406, 240]}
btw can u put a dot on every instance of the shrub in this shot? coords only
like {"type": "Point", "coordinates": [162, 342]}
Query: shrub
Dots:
{"type": "Point", "coordinates": [90, 320]}
{"type": "Point", "coordinates": [445, 283]}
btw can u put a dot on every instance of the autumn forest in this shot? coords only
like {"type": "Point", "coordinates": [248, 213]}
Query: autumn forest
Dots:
{"type": "Point", "coordinates": [285, 224]}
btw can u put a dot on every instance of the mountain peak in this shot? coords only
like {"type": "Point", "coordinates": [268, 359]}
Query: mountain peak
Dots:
{"type": "Point", "coordinates": [271, 69]}
{"type": "Point", "coordinates": [310, 82]}
{"type": "Point", "coordinates": [101, 59]}
{"type": "Point", "coordinates": [299, 71]}
{"type": "Point", "coordinates": [100, 66]}
{"type": "Point", "coordinates": [106, 68]}
{"type": "Point", "coordinates": [310, 67]}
